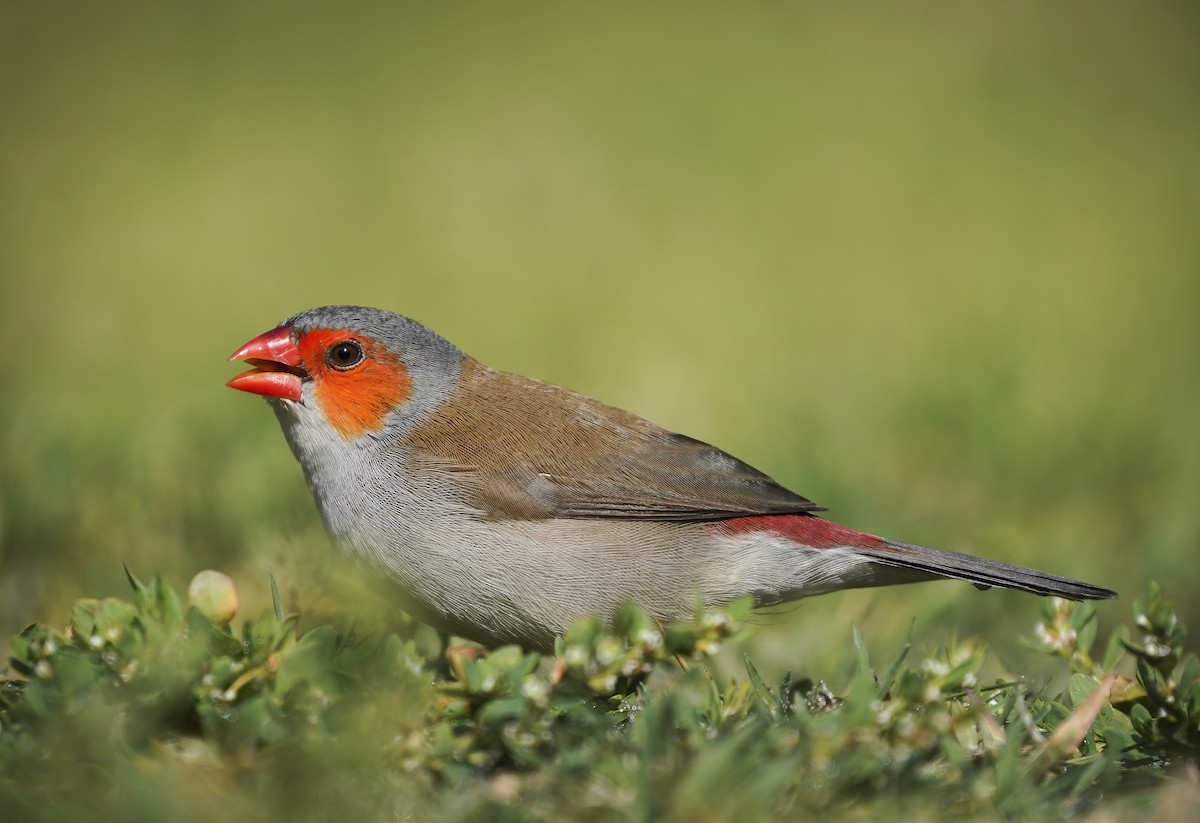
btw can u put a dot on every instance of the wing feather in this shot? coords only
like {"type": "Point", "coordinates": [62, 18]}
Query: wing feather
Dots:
{"type": "Point", "coordinates": [530, 450]}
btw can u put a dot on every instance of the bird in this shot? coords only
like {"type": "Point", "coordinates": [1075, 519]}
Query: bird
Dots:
{"type": "Point", "coordinates": [505, 508]}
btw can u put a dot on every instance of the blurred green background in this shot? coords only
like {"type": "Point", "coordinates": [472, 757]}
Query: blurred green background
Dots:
{"type": "Point", "coordinates": [935, 266]}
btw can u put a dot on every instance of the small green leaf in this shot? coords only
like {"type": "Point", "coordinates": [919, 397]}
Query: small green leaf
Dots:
{"type": "Point", "coordinates": [276, 600]}
{"type": "Point", "coordinates": [862, 688]}
{"type": "Point", "coordinates": [134, 583]}
{"type": "Point", "coordinates": [885, 685]}
{"type": "Point", "coordinates": [680, 638]}
{"type": "Point", "coordinates": [309, 662]}
{"type": "Point", "coordinates": [167, 607]}
{"type": "Point", "coordinates": [219, 643]}
{"type": "Point", "coordinates": [629, 620]}
{"type": "Point", "coordinates": [504, 710]}
{"type": "Point", "coordinates": [760, 688]}
{"type": "Point", "coordinates": [1081, 688]}
{"type": "Point", "coordinates": [1118, 739]}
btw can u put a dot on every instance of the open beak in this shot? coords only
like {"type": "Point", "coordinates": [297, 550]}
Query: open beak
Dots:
{"type": "Point", "coordinates": [277, 370]}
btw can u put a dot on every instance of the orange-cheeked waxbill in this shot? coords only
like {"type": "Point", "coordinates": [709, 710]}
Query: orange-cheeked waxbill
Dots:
{"type": "Point", "coordinates": [506, 507]}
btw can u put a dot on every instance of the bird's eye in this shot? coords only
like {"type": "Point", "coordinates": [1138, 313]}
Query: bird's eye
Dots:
{"type": "Point", "coordinates": [344, 355]}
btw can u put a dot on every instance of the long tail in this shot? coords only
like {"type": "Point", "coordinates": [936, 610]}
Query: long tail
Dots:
{"type": "Point", "coordinates": [911, 563]}
{"type": "Point", "coordinates": [981, 571]}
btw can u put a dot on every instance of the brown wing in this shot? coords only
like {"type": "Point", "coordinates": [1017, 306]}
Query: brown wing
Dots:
{"type": "Point", "coordinates": [531, 450]}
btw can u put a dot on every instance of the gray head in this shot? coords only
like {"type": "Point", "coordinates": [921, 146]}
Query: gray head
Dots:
{"type": "Point", "coordinates": [365, 373]}
{"type": "Point", "coordinates": [371, 365]}
{"type": "Point", "coordinates": [417, 345]}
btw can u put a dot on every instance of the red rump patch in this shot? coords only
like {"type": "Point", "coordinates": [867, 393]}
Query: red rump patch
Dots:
{"type": "Point", "coordinates": [804, 529]}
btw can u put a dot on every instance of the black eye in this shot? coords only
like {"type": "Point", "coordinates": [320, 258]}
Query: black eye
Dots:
{"type": "Point", "coordinates": [345, 355]}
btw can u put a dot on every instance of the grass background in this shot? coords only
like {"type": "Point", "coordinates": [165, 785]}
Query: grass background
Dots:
{"type": "Point", "coordinates": [935, 266]}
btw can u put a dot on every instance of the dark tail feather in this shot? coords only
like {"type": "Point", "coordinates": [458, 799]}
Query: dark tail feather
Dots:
{"type": "Point", "coordinates": [983, 572]}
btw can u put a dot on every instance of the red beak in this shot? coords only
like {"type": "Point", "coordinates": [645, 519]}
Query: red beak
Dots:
{"type": "Point", "coordinates": [277, 370]}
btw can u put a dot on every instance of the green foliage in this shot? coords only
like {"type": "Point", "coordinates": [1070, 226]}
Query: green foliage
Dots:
{"type": "Point", "coordinates": [134, 701]}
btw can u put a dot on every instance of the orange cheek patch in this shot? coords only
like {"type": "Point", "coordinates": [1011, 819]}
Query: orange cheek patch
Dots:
{"type": "Point", "coordinates": [356, 401]}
